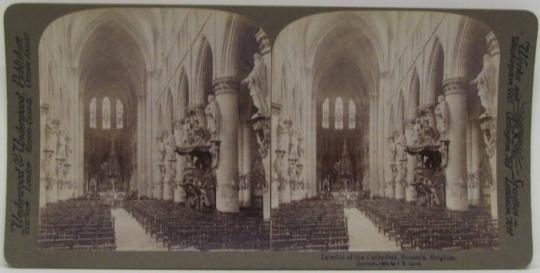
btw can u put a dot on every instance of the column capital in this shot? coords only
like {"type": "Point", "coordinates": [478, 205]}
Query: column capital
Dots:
{"type": "Point", "coordinates": [44, 108]}
{"type": "Point", "coordinates": [455, 85]}
{"type": "Point", "coordinates": [225, 85]}
{"type": "Point", "coordinates": [408, 124]}
{"type": "Point", "coordinates": [276, 108]}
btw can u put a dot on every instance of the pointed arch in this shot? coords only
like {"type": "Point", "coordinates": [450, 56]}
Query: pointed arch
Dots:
{"type": "Point", "coordinates": [413, 99]}
{"type": "Point", "coordinates": [169, 119]}
{"type": "Point", "coordinates": [183, 94]}
{"type": "Point", "coordinates": [204, 71]}
{"type": "Point", "coordinates": [435, 74]}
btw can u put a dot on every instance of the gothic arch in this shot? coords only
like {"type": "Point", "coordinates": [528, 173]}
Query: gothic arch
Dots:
{"type": "Point", "coordinates": [204, 71]}
{"type": "Point", "coordinates": [182, 97]}
{"type": "Point", "coordinates": [169, 118]}
{"type": "Point", "coordinates": [118, 19]}
{"type": "Point", "coordinates": [413, 97]}
{"type": "Point", "coordinates": [435, 74]}
{"type": "Point", "coordinates": [400, 113]}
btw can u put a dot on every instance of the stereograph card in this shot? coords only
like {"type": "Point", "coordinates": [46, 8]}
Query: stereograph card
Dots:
{"type": "Point", "coordinates": [238, 137]}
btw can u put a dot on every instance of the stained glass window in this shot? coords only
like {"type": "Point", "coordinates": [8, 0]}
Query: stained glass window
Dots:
{"type": "Point", "coordinates": [352, 115]}
{"type": "Point", "coordinates": [106, 117]}
{"type": "Point", "coordinates": [92, 113]}
{"type": "Point", "coordinates": [325, 113]}
{"type": "Point", "coordinates": [339, 113]}
{"type": "Point", "coordinates": [119, 115]}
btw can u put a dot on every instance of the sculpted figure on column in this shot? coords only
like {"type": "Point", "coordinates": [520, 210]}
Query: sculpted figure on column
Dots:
{"type": "Point", "coordinates": [486, 83]}
{"type": "Point", "coordinates": [161, 149]}
{"type": "Point", "coordinates": [170, 147]}
{"type": "Point", "coordinates": [293, 144]}
{"type": "Point", "coordinates": [60, 144]}
{"type": "Point", "coordinates": [441, 115]}
{"type": "Point", "coordinates": [69, 151]}
{"type": "Point", "coordinates": [392, 149]}
{"type": "Point", "coordinates": [258, 86]}
{"type": "Point", "coordinates": [282, 133]}
{"type": "Point", "coordinates": [212, 117]}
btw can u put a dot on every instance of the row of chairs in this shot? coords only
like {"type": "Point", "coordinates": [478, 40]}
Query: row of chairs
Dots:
{"type": "Point", "coordinates": [311, 224]}
{"type": "Point", "coordinates": [413, 227]}
{"type": "Point", "coordinates": [77, 225]}
{"type": "Point", "coordinates": [180, 228]}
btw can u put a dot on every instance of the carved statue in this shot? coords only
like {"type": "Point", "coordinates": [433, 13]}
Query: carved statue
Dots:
{"type": "Point", "coordinates": [161, 149]}
{"type": "Point", "coordinates": [417, 131]}
{"type": "Point", "coordinates": [487, 85]}
{"type": "Point", "coordinates": [214, 151]}
{"type": "Point", "coordinates": [69, 151]}
{"type": "Point", "coordinates": [392, 149]}
{"type": "Point", "coordinates": [170, 147]}
{"type": "Point", "coordinates": [277, 169]}
{"type": "Point", "coordinates": [262, 132]}
{"type": "Point", "coordinates": [301, 150]}
{"type": "Point", "coordinates": [282, 133]}
{"type": "Point", "coordinates": [441, 115]}
{"type": "Point", "coordinates": [293, 144]}
{"type": "Point", "coordinates": [51, 127]}
{"type": "Point", "coordinates": [60, 144]}
{"type": "Point", "coordinates": [401, 143]}
{"type": "Point", "coordinates": [212, 117]}
{"type": "Point", "coordinates": [258, 86]}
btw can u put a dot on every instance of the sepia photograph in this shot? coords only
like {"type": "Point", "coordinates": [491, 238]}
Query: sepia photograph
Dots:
{"type": "Point", "coordinates": [155, 131]}
{"type": "Point", "coordinates": [384, 133]}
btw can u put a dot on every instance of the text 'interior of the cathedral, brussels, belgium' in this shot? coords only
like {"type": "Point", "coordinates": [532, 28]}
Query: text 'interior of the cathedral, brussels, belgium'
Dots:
{"type": "Point", "coordinates": [174, 129]}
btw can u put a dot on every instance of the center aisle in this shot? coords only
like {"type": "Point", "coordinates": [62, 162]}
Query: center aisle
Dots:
{"type": "Point", "coordinates": [364, 236]}
{"type": "Point", "coordinates": [130, 235]}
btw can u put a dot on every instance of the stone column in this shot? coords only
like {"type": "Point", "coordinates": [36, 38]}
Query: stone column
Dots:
{"type": "Point", "coordinates": [275, 156]}
{"type": "Point", "coordinates": [373, 160]}
{"type": "Point", "coordinates": [226, 92]}
{"type": "Point", "coordinates": [45, 158]}
{"type": "Point", "coordinates": [456, 169]}
{"type": "Point", "coordinates": [179, 194]}
{"type": "Point", "coordinates": [262, 128]}
{"type": "Point", "coordinates": [246, 164]}
{"type": "Point", "coordinates": [476, 153]}
{"type": "Point", "coordinates": [170, 167]}
{"type": "Point", "coordinates": [390, 183]}
{"type": "Point", "coordinates": [487, 84]}
{"type": "Point", "coordinates": [51, 141]}
{"type": "Point", "coordinates": [410, 192]}
{"type": "Point", "coordinates": [285, 191]}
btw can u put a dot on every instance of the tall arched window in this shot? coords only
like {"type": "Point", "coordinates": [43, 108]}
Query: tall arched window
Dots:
{"type": "Point", "coordinates": [352, 115]}
{"type": "Point", "coordinates": [119, 115]}
{"type": "Point", "coordinates": [106, 117]}
{"type": "Point", "coordinates": [325, 113]}
{"type": "Point", "coordinates": [339, 113]}
{"type": "Point", "coordinates": [92, 111]}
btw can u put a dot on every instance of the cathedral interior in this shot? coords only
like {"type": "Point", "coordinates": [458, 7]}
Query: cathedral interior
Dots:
{"type": "Point", "coordinates": [384, 119]}
{"type": "Point", "coordinates": [158, 116]}
{"type": "Point", "coordinates": [189, 129]}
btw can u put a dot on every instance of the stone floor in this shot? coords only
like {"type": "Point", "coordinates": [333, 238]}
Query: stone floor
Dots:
{"type": "Point", "coordinates": [130, 235]}
{"type": "Point", "coordinates": [364, 236]}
